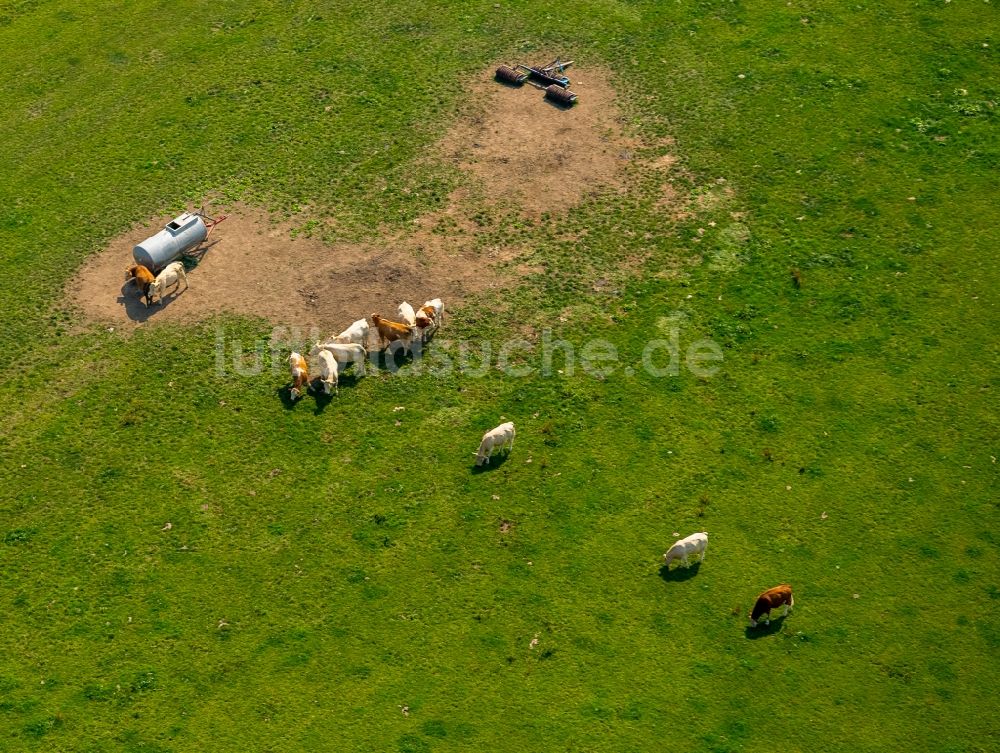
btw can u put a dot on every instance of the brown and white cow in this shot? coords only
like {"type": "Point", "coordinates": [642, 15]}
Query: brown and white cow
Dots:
{"type": "Point", "coordinates": [772, 598]}
{"type": "Point", "coordinates": [300, 374]}
{"type": "Point", "coordinates": [428, 319]}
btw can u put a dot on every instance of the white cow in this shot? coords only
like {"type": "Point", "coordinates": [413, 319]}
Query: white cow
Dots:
{"type": "Point", "coordinates": [357, 333]}
{"type": "Point", "coordinates": [172, 274]}
{"type": "Point", "coordinates": [498, 438]}
{"type": "Point", "coordinates": [328, 371]}
{"type": "Point", "coordinates": [696, 543]}
{"type": "Point", "coordinates": [344, 353]}
{"type": "Point", "coordinates": [406, 314]}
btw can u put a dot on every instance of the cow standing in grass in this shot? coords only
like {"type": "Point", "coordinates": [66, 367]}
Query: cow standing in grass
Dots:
{"type": "Point", "coordinates": [696, 543]}
{"type": "Point", "coordinates": [344, 353]}
{"type": "Point", "coordinates": [390, 332]}
{"type": "Point", "coordinates": [357, 333]}
{"type": "Point", "coordinates": [428, 319]}
{"type": "Point", "coordinates": [328, 372]}
{"type": "Point", "coordinates": [498, 438]}
{"type": "Point", "coordinates": [300, 374]}
{"type": "Point", "coordinates": [772, 598]}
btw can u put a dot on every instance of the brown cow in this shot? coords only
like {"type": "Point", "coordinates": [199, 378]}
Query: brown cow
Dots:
{"type": "Point", "coordinates": [389, 331]}
{"type": "Point", "coordinates": [143, 279]}
{"type": "Point", "coordinates": [770, 599]}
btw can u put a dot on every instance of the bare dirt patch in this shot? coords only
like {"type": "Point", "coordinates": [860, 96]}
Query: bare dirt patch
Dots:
{"type": "Point", "coordinates": [516, 149]}
{"type": "Point", "coordinates": [259, 268]}
{"type": "Point", "coordinates": [522, 148]}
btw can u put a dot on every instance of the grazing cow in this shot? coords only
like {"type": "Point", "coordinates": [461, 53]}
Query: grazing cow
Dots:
{"type": "Point", "coordinates": [143, 279]}
{"type": "Point", "coordinates": [428, 319]}
{"type": "Point", "coordinates": [344, 353]}
{"type": "Point", "coordinates": [300, 374]}
{"type": "Point", "coordinates": [389, 331]}
{"type": "Point", "coordinates": [172, 274]}
{"type": "Point", "coordinates": [696, 543]}
{"type": "Point", "coordinates": [328, 371]}
{"type": "Point", "coordinates": [406, 314]}
{"type": "Point", "coordinates": [771, 599]}
{"type": "Point", "coordinates": [357, 333]}
{"type": "Point", "coordinates": [498, 438]}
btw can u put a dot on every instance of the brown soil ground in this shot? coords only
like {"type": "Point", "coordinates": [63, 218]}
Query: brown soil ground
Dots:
{"type": "Point", "coordinates": [521, 147]}
{"type": "Point", "coordinates": [256, 267]}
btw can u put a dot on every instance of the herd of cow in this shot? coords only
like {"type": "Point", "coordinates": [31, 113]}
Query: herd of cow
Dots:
{"type": "Point", "coordinates": [772, 598]}
{"type": "Point", "coordinates": [351, 347]}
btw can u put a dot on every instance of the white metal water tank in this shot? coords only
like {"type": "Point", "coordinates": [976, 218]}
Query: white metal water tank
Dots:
{"type": "Point", "coordinates": [180, 234]}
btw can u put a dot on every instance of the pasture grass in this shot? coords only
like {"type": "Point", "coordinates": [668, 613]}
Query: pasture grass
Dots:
{"type": "Point", "coordinates": [335, 577]}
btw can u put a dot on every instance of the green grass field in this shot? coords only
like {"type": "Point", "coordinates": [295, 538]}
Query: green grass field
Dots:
{"type": "Point", "coordinates": [326, 570]}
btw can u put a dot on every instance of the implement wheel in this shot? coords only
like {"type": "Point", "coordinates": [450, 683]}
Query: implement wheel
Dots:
{"type": "Point", "coordinates": [562, 97]}
{"type": "Point", "coordinates": [507, 75]}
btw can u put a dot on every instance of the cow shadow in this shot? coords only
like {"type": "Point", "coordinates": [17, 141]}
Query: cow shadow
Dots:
{"type": "Point", "coordinates": [319, 394]}
{"type": "Point", "coordinates": [315, 389]}
{"type": "Point", "coordinates": [390, 359]}
{"type": "Point", "coordinates": [134, 303]}
{"type": "Point", "coordinates": [495, 462]}
{"type": "Point", "coordinates": [284, 393]}
{"type": "Point", "coordinates": [679, 574]}
{"type": "Point", "coordinates": [762, 630]}
{"type": "Point", "coordinates": [350, 379]}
